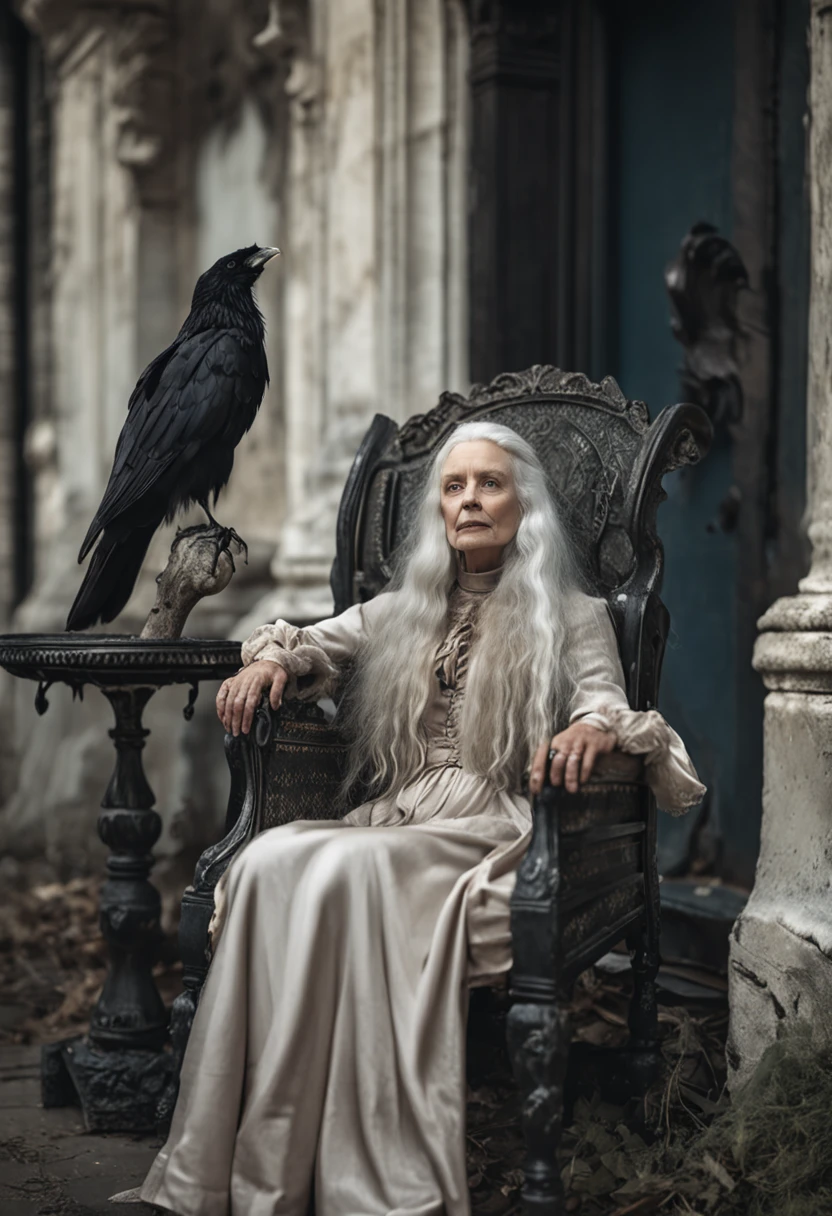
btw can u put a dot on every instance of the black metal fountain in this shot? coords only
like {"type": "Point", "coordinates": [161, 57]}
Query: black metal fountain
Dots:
{"type": "Point", "coordinates": [119, 1070]}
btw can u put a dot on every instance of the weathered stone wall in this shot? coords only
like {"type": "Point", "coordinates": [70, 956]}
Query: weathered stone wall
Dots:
{"type": "Point", "coordinates": [335, 130]}
{"type": "Point", "coordinates": [148, 184]}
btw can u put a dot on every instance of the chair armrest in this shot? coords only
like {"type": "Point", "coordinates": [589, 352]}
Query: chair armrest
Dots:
{"type": "Point", "coordinates": [616, 767]}
{"type": "Point", "coordinates": [288, 767]}
{"type": "Point", "coordinates": [303, 760]}
{"type": "Point", "coordinates": [581, 886]}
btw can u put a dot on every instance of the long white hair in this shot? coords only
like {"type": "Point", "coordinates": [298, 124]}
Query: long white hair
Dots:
{"type": "Point", "coordinates": [519, 683]}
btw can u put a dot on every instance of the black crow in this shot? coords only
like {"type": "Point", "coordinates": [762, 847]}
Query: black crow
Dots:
{"type": "Point", "coordinates": [189, 410]}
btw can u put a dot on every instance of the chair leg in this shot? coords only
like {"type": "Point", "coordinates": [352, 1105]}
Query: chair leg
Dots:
{"type": "Point", "coordinates": [181, 1019]}
{"type": "Point", "coordinates": [538, 1043]}
{"type": "Point", "coordinates": [645, 1058]}
{"type": "Point", "coordinates": [644, 945]}
{"type": "Point", "coordinates": [243, 814]}
{"type": "Point", "coordinates": [197, 908]}
{"type": "Point", "coordinates": [643, 1013]}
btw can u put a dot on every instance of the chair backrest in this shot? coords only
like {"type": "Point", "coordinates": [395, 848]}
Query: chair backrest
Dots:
{"type": "Point", "coordinates": [604, 461]}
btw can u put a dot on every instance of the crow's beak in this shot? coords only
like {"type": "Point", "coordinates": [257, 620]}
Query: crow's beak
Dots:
{"type": "Point", "coordinates": [262, 256]}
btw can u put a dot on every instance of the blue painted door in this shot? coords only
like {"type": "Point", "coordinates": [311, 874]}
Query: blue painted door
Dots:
{"type": "Point", "coordinates": [671, 137]}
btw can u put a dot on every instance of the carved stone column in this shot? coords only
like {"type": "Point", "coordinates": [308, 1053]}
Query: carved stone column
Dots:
{"type": "Point", "coordinates": [375, 303]}
{"type": "Point", "coordinates": [111, 76]}
{"type": "Point", "coordinates": [781, 946]}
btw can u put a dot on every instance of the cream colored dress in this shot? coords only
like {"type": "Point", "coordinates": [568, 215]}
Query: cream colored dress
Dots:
{"type": "Point", "coordinates": [327, 1053]}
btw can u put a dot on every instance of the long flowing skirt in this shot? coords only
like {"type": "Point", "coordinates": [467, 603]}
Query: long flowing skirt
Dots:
{"type": "Point", "coordinates": [327, 1054]}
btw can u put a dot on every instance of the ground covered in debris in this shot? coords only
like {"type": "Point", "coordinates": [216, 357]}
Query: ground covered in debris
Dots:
{"type": "Point", "coordinates": [683, 1150]}
{"type": "Point", "coordinates": [53, 960]}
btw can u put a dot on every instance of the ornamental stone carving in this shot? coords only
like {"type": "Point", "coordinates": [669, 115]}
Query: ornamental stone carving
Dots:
{"type": "Point", "coordinates": [141, 39]}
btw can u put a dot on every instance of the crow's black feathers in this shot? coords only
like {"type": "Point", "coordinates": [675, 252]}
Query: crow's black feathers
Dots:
{"type": "Point", "coordinates": [189, 410]}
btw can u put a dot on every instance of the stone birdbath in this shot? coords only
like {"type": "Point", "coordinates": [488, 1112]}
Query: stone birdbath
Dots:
{"type": "Point", "coordinates": [119, 1070]}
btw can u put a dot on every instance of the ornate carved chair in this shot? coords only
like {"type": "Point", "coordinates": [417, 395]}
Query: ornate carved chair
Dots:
{"type": "Point", "coordinates": [589, 879]}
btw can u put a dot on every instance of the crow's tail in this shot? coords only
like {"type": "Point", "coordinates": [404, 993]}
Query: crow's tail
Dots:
{"type": "Point", "coordinates": [110, 578]}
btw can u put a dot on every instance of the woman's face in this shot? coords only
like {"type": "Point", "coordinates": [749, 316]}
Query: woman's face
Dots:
{"type": "Point", "coordinates": [479, 502]}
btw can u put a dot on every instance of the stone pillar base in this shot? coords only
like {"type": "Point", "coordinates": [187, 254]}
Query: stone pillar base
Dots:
{"type": "Point", "coordinates": [777, 978]}
{"type": "Point", "coordinates": [780, 968]}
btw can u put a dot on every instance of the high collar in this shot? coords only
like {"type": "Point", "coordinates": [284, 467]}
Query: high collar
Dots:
{"type": "Point", "coordinates": [482, 581]}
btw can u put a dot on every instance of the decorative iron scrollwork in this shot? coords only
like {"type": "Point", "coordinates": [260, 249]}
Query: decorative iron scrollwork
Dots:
{"type": "Point", "coordinates": [41, 703]}
{"type": "Point", "coordinates": [188, 711]}
{"type": "Point", "coordinates": [704, 282]}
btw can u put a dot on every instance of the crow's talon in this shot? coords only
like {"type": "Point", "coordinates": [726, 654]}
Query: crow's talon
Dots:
{"type": "Point", "coordinates": [183, 533]}
{"type": "Point", "coordinates": [224, 537]}
{"type": "Point", "coordinates": [232, 535]}
{"type": "Point", "coordinates": [216, 535]}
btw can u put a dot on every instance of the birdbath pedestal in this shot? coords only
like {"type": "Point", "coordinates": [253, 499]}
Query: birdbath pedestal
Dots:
{"type": "Point", "coordinates": [120, 1069]}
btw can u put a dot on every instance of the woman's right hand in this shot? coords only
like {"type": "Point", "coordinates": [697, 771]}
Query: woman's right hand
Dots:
{"type": "Point", "coordinates": [239, 696]}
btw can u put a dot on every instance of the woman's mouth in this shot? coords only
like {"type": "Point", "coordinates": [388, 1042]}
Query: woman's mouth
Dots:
{"type": "Point", "coordinates": [471, 525]}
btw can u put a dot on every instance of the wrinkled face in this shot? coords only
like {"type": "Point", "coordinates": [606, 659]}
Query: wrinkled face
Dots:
{"type": "Point", "coordinates": [479, 502]}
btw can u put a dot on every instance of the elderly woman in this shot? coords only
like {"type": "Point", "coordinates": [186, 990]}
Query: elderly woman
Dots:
{"type": "Point", "coordinates": [327, 1054]}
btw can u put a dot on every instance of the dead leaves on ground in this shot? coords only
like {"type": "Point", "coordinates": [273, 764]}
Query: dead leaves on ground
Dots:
{"type": "Point", "coordinates": [53, 960]}
{"type": "Point", "coordinates": [618, 1171]}
{"type": "Point", "coordinates": [609, 1167]}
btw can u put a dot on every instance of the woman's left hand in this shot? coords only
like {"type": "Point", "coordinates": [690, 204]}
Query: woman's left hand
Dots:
{"type": "Point", "coordinates": [576, 749]}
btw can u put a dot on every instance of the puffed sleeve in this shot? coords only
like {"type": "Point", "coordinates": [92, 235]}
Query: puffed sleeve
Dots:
{"type": "Point", "coordinates": [314, 656]}
{"type": "Point", "coordinates": [600, 700]}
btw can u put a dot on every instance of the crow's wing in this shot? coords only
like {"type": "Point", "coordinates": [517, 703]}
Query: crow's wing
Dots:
{"type": "Point", "coordinates": [148, 381]}
{"type": "Point", "coordinates": [205, 384]}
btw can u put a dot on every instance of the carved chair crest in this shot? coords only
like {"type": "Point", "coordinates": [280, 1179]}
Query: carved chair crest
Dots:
{"type": "Point", "coordinates": [604, 461]}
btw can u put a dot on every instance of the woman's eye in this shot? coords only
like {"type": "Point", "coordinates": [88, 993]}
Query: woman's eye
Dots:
{"type": "Point", "coordinates": [230, 265]}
